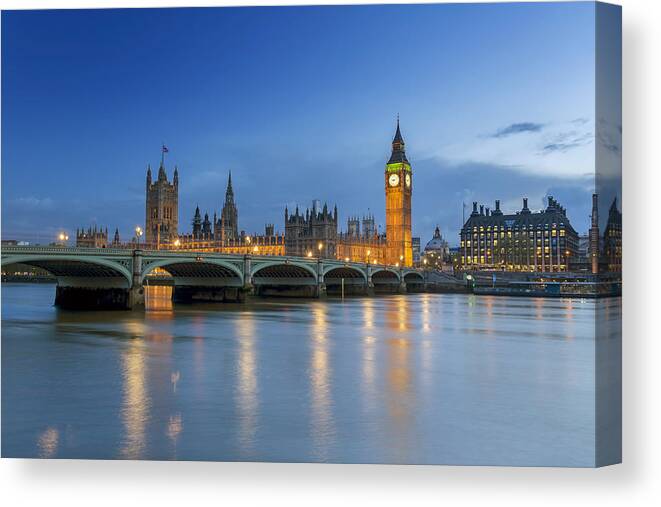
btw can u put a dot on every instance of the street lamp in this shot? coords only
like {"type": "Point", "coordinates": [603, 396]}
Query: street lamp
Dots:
{"type": "Point", "coordinates": [248, 239]}
{"type": "Point", "coordinates": [138, 233]}
{"type": "Point", "coordinates": [320, 246]}
{"type": "Point", "coordinates": [177, 243]}
{"type": "Point", "coordinates": [309, 253]}
{"type": "Point", "coordinates": [63, 237]}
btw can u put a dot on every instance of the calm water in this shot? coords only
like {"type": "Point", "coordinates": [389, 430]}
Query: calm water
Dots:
{"type": "Point", "coordinates": [423, 378]}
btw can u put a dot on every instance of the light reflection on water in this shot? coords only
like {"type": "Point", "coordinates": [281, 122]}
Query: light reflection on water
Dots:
{"type": "Point", "coordinates": [400, 379]}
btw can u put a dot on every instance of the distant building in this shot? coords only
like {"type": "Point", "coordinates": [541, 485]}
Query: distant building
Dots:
{"type": "Point", "coordinates": [228, 226]}
{"type": "Point", "coordinates": [437, 251]}
{"type": "Point", "coordinates": [222, 234]}
{"type": "Point", "coordinates": [415, 246]}
{"type": "Point", "coordinates": [594, 250]}
{"type": "Point", "coordinates": [523, 241]}
{"type": "Point", "coordinates": [311, 234]}
{"type": "Point", "coordinates": [613, 239]}
{"type": "Point", "coordinates": [162, 207]}
{"type": "Point", "coordinates": [399, 190]}
{"type": "Point", "coordinates": [92, 237]}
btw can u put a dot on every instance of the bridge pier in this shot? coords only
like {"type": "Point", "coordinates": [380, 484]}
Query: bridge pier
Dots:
{"type": "Point", "coordinates": [188, 294]}
{"type": "Point", "coordinates": [94, 298]}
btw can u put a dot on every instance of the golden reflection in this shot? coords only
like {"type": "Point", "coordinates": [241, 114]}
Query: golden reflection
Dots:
{"type": "Point", "coordinates": [135, 407]}
{"type": "Point", "coordinates": [368, 312]}
{"type": "Point", "coordinates": [158, 298]}
{"type": "Point", "coordinates": [320, 379]}
{"type": "Point", "coordinates": [539, 308]}
{"type": "Point", "coordinates": [399, 382]}
{"type": "Point", "coordinates": [369, 373]}
{"type": "Point", "coordinates": [398, 314]}
{"type": "Point", "coordinates": [399, 375]}
{"type": "Point", "coordinates": [426, 314]}
{"type": "Point", "coordinates": [247, 388]}
{"type": "Point", "coordinates": [48, 442]}
{"type": "Point", "coordinates": [569, 309]}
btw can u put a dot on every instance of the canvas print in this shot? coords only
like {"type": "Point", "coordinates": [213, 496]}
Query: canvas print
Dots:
{"type": "Point", "coordinates": [344, 234]}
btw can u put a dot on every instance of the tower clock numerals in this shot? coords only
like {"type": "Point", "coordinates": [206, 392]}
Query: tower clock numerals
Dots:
{"type": "Point", "coordinates": [393, 180]}
{"type": "Point", "coordinates": [407, 179]}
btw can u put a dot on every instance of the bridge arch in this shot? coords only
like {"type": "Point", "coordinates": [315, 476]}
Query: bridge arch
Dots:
{"type": "Point", "coordinates": [65, 267]}
{"type": "Point", "coordinates": [185, 268]}
{"type": "Point", "coordinates": [344, 271]}
{"type": "Point", "coordinates": [280, 269]}
{"type": "Point", "coordinates": [385, 275]}
{"type": "Point", "coordinates": [414, 277]}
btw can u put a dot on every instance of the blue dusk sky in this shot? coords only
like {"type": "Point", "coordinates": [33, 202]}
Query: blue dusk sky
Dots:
{"type": "Point", "coordinates": [497, 101]}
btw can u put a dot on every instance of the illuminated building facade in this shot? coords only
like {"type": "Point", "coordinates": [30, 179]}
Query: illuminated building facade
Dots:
{"type": "Point", "coordinates": [525, 241]}
{"type": "Point", "coordinates": [92, 237]}
{"type": "Point", "coordinates": [313, 234]}
{"type": "Point", "coordinates": [613, 239]}
{"type": "Point", "coordinates": [398, 188]}
{"type": "Point", "coordinates": [162, 205]}
{"type": "Point", "coordinates": [270, 243]}
{"type": "Point", "coordinates": [436, 254]}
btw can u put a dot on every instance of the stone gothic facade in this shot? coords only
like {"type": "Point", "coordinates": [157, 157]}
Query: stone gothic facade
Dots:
{"type": "Point", "coordinates": [162, 205]}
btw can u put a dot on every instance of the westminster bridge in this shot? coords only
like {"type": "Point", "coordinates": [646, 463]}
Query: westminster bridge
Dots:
{"type": "Point", "coordinates": [95, 278]}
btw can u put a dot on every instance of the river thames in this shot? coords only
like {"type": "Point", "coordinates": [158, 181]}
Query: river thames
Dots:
{"type": "Point", "coordinates": [425, 378]}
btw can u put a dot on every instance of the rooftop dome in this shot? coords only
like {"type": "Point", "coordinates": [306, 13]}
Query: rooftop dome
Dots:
{"type": "Point", "coordinates": [437, 243]}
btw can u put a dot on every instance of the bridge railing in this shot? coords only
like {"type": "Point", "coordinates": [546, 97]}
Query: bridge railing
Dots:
{"type": "Point", "coordinates": [70, 250]}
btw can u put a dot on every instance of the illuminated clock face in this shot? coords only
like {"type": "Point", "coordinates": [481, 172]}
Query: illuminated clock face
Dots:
{"type": "Point", "coordinates": [408, 181]}
{"type": "Point", "coordinates": [393, 181]}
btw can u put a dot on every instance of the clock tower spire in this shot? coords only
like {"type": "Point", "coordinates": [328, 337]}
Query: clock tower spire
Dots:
{"type": "Point", "coordinates": [398, 188]}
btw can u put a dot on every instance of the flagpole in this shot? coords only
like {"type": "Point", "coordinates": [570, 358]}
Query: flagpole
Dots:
{"type": "Point", "coordinates": [162, 155]}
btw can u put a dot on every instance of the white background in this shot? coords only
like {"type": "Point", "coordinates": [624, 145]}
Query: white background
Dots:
{"type": "Point", "coordinates": [636, 482]}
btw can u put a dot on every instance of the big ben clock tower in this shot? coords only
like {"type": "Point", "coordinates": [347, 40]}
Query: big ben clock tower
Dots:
{"type": "Point", "coordinates": [399, 186]}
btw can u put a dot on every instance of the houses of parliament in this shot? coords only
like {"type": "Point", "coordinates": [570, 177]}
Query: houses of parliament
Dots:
{"type": "Point", "coordinates": [310, 233]}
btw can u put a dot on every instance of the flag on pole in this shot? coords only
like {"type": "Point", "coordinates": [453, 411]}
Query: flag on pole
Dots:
{"type": "Point", "coordinates": [165, 149]}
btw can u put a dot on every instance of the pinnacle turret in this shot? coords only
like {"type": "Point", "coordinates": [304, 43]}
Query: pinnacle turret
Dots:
{"type": "Point", "coordinates": [398, 151]}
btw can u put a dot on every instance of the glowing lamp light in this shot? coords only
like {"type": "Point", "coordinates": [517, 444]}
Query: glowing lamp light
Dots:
{"type": "Point", "coordinates": [346, 259]}
{"type": "Point", "coordinates": [320, 246]}
{"type": "Point", "coordinates": [247, 239]}
{"type": "Point", "coordinates": [255, 249]}
{"type": "Point", "coordinates": [177, 242]}
{"type": "Point", "coordinates": [309, 254]}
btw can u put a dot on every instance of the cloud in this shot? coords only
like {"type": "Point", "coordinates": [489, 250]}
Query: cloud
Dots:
{"type": "Point", "coordinates": [518, 128]}
{"type": "Point", "coordinates": [554, 149]}
{"type": "Point", "coordinates": [32, 203]}
{"type": "Point", "coordinates": [565, 141]}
